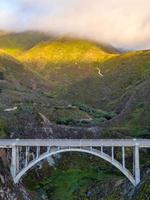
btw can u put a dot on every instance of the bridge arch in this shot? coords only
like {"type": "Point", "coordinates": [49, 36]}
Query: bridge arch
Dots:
{"type": "Point", "coordinates": [92, 151]}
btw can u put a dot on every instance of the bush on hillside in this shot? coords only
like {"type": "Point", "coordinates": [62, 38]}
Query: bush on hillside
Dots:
{"type": "Point", "coordinates": [97, 114]}
{"type": "Point", "coordinates": [3, 131]}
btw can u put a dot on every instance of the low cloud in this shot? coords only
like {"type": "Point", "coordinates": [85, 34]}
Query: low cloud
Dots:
{"type": "Point", "coordinates": [122, 23]}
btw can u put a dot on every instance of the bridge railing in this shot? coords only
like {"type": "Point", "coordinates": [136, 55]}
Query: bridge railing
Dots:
{"type": "Point", "coordinates": [8, 143]}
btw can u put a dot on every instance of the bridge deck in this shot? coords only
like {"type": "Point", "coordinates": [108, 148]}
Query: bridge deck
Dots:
{"type": "Point", "coordinates": [8, 143]}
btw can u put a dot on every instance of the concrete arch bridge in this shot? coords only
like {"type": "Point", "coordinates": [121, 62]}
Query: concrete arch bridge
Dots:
{"type": "Point", "coordinates": [40, 149]}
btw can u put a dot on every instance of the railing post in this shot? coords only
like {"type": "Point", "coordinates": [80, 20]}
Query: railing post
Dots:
{"type": "Point", "coordinates": [137, 164]}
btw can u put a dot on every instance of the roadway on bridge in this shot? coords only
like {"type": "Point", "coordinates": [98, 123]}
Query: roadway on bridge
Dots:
{"type": "Point", "coordinates": [8, 143]}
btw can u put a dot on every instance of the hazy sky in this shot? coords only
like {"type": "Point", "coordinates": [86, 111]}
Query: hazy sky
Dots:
{"type": "Point", "coordinates": [123, 23]}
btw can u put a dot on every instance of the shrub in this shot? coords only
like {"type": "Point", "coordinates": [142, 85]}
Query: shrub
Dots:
{"type": "Point", "coordinates": [3, 131]}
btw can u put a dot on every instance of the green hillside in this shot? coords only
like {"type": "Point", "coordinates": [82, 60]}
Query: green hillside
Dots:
{"type": "Point", "coordinates": [120, 76]}
{"type": "Point", "coordinates": [15, 43]}
{"type": "Point", "coordinates": [62, 62]}
{"type": "Point", "coordinates": [69, 69]}
{"type": "Point", "coordinates": [73, 82]}
{"type": "Point", "coordinates": [77, 72]}
{"type": "Point", "coordinates": [67, 51]}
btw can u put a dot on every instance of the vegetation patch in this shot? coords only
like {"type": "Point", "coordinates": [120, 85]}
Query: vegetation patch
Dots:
{"type": "Point", "coordinates": [65, 185]}
{"type": "Point", "coordinates": [144, 193]}
{"type": "Point", "coordinates": [98, 115]}
{"type": "Point", "coordinates": [3, 129]}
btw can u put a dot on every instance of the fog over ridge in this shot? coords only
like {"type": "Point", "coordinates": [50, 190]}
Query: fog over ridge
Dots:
{"type": "Point", "coordinates": [122, 23]}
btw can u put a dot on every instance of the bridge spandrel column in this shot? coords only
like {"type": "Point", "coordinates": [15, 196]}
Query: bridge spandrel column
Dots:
{"type": "Point", "coordinates": [137, 164]}
{"type": "Point", "coordinates": [123, 156]}
{"type": "Point", "coordinates": [37, 152]}
{"type": "Point", "coordinates": [13, 161]}
{"type": "Point", "coordinates": [112, 153]}
{"type": "Point", "coordinates": [17, 158]}
{"type": "Point", "coordinates": [26, 156]}
{"type": "Point", "coordinates": [48, 149]}
{"type": "Point", "coordinates": [102, 149]}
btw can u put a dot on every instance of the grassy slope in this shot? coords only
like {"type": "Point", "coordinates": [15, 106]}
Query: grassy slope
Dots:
{"type": "Point", "coordinates": [67, 50]}
{"type": "Point", "coordinates": [120, 75]}
{"type": "Point", "coordinates": [73, 180]}
{"type": "Point", "coordinates": [61, 63]}
{"type": "Point", "coordinates": [16, 43]}
{"type": "Point", "coordinates": [17, 86]}
{"type": "Point", "coordinates": [64, 62]}
{"type": "Point", "coordinates": [15, 73]}
{"type": "Point", "coordinates": [69, 68]}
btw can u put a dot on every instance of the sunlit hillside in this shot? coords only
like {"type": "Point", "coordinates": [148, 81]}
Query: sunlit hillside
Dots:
{"type": "Point", "coordinates": [17, 43]}
{"type": "Point", "coordinates": [63, 51]}
{"type": "Point", "coordinates": [64, 61]}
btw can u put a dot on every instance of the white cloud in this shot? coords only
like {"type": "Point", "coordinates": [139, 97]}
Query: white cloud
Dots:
{"type": "Point", "coordinates": [123, 23]}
